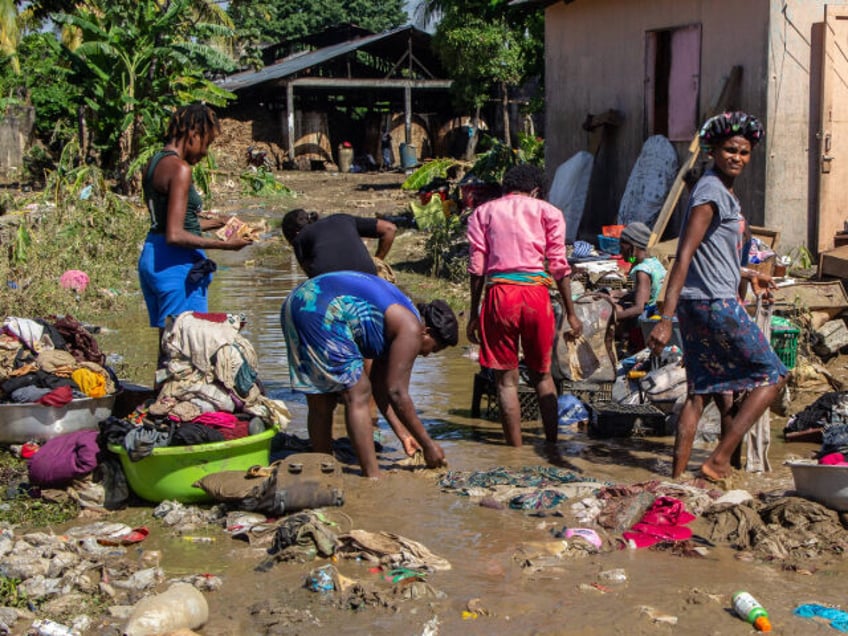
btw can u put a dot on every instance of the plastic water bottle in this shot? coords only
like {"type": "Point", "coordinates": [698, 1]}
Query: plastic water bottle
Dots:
{"type": "Point", "coordinates": [180, 606]}
{"type": "Point", "coordinates": [749, 609]}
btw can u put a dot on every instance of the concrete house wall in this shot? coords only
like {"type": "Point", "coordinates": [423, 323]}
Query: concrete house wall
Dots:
{"type": "Point", "coordinates": [595, 61]}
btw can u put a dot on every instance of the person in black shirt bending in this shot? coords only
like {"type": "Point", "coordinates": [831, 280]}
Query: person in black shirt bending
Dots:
{"type": "Point", "coordinates": [334, 243]}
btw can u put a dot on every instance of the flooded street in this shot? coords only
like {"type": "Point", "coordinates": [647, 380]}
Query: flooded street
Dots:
{"type": "Point", "coordinates": [479, 542]}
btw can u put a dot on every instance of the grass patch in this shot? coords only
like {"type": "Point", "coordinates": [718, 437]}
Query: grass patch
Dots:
{"type": "Point", "coordinates": [72, 224]}
{"type": "Point", "coordinates": [17, 507]}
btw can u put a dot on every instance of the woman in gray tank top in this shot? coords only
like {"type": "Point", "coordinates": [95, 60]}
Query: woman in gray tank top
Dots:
{"type": "Point", "coordinates": [724, 351]}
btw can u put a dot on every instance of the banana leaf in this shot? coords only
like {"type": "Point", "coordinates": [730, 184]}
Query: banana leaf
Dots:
{"type": "Point", "coordinates": [426, 173]}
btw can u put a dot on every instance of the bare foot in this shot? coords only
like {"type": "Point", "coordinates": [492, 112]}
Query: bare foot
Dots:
{"type": "Point", "coordinates": [435, 456]}
{"type": "Point", "coordinates": [712, 473]}
{"type": "Point", "coordinates": [722, 479]}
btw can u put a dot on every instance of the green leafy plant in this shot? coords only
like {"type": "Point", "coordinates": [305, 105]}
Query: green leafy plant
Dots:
{"type": "Point", "coordinates": [801, 258]}
{"type": "Point", "coordinates": [531, 149]}
{"type": "Point", "coordinates": [262, 182]}
{"type": "Point", "coordinates": [442, 247]}
{"type": "Point", "coordinates": [492, 164]}
{"type": "Point", "coordinates": [437, 168]}
{"type": "Point", "coordinates": [11, 595]}
{"type": "Point", "coordinates": [21, 245]}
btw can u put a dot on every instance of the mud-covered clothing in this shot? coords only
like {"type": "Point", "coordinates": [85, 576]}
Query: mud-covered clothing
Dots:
{"type": "Point", "coordinates": [714, 271]}
{"type": "Point", "coordinates": [157, 202]}
{"type": "Point", "coordinates": [332, 323]}
{"type": "Point", "coordinates": [164, 270]}
{"type": "Point", "coordinates": [334, 243]}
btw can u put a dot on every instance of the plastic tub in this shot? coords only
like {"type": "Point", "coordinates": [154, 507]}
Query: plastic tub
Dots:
{"type": "Point", "coordinates": [823, 483]}
{"type": "Point", "coordinates": [169, 472]}
{"type": "Point", "coordinates": [34, 422]}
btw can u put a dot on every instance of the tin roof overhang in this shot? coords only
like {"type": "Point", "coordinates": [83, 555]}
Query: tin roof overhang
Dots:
{"type": "Point", "coordinates": [380, 44]}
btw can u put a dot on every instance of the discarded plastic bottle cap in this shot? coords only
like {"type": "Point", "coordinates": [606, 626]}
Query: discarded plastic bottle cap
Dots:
{"type": "Point", "coordinates": [763, 624]}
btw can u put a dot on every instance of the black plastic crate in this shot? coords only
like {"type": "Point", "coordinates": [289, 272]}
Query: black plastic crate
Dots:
{"type": "Point", "coordinates": [624, 420]}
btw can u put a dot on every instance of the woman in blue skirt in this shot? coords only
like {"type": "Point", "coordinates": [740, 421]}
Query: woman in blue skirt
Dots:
{"type": "Point", "coordinates": [724, 351]}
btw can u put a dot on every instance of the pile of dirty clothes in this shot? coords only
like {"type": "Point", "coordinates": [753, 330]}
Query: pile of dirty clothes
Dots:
{"type": "Point", "coordinates": [51, 361]}
{"type": "Point", "coordinates": [208, 390]}
{"type": "Point", "coordinates": [829, 415]}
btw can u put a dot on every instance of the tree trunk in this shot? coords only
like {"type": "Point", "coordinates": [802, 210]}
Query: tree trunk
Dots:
{"type": "Point", "coordinates": [505, 106]}
{"type": "Point", "coordinates": [82, 132]}
{"type": "Point", "coordinates": [471, 146]}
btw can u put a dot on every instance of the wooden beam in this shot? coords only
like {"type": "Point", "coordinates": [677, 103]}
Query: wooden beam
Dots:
{"type": "Point", "coordinates": [724, 100]}
{"type": "Point", "coordinates": [343, 83]}
{"type": "Point", "coordinates": [290, 118]}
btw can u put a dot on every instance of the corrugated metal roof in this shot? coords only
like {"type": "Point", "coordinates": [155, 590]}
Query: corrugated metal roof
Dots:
{"type": "Point", "coordinates": [302, 61]}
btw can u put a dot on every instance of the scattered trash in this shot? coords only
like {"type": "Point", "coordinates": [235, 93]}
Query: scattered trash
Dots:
{"type": "Point", "coordinates": [656, 616]}
{"type": "Point", "coordinates": [180, 606]}
{"type": "Point", "coordinates": [198, 539]}
{"type": "Point", "coordinates": [585, 533]}
{"type": "Point", "coordinates": [837, 618]}
{"type": "Point", "coordinates": [321, 579]}
{"type": "Point", "coordinates": [618, 575]}
{"type": "Point", "coordinates": [748, 608]}
{"type": "Point", "coordinates": [46, 627]}
{"type": "Point", "coordinates": [75, 280]}
{"type": "Point", "coordinates": [136, 535]}
{"type": "Point", "coordinates": [85, 193]}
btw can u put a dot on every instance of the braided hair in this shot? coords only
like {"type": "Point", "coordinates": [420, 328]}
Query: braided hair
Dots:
{"type": "Point", "coordinates": [730, 124]}
{"type": "Point", "coordinates": [197, 117]}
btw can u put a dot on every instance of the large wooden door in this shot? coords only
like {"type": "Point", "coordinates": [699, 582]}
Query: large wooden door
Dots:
{"type": "Point", "coordinates": [833, 142]}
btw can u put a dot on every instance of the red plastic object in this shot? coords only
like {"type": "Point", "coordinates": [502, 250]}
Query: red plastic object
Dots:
{"type": "Point", "coordinates": [612, 231]}
{"type": "Point", "coordinates": [28, 450]}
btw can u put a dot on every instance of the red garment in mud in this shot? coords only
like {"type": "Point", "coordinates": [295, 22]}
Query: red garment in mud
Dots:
{"type": "Point", "coordinates": [665, 520]}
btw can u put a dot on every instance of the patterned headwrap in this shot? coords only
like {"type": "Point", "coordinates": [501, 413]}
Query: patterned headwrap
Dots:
{"type": "Point", "coordinates": [717, 129]}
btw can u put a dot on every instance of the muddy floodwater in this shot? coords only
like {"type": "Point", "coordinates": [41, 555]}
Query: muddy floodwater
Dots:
{"type": "Point", "coordinates": [479, 542]}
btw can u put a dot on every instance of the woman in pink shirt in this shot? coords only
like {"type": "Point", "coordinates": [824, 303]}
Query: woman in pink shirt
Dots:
{"type": "Point", "coordinates": [517, 253]}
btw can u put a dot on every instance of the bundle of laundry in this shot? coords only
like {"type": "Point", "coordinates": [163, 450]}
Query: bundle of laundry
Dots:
{"type": "Point", "coordinates": [51, 361]}
{"type": "Point", "coordinates": [209, 389]}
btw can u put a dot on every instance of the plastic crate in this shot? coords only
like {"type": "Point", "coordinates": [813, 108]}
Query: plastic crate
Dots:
{"type": "Point", "coordinates": [609, 244]}
{"type": "Point", "coordinates": [485, 387]}
{"type": "Point", "coordinates": [785, 345]}
{"type": "Point", "coordinates": [527, 400]}
{"type": "Point", "coordinates": [623, 420]}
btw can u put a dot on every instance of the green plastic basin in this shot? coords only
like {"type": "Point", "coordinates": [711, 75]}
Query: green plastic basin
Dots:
{"type": "Point", "coordinates": [169, 471]}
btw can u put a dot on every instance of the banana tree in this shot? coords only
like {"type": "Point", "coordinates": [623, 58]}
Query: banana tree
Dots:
{"type": "Point", "coordinates": [136, 60]}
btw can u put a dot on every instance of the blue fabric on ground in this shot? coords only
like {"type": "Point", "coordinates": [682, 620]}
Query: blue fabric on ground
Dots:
{"type": "Point", "coordinates": [838, 618]}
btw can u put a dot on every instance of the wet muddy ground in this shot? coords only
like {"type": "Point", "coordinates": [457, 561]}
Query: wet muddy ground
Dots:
{"type": "Point", "coordinates": [479, 542]}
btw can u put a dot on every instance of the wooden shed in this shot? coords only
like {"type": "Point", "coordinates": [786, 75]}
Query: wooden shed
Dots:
{"type": "Point", "coordinates": [349, 85]}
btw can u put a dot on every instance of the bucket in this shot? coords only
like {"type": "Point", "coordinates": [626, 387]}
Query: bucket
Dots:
{"type": "Point", "coordinates": [345, 158]}
{"type": "Point", "coordinates": [408, 156]}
